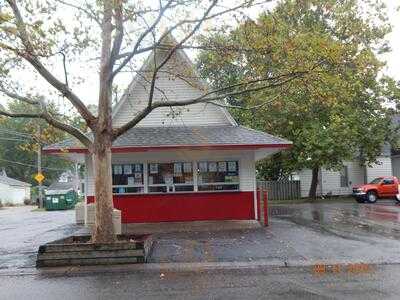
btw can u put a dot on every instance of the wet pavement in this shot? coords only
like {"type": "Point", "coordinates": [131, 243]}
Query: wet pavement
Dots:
{"type": "Point", "coordinates": [242, 264]}
{"type": "Point", "coordinates": [380, 282]}
{"type": "Point", "coordinates": [23, 230]}
{"type": "Point", "coordinates": [300, 234]}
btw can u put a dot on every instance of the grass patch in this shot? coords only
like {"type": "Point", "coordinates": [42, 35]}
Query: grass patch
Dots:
{"type": "Point", "coordinates": [38, 209]}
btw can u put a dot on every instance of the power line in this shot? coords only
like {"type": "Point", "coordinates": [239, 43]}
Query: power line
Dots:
{"type": "Point", "coordinates": [32, 166]}
{"type": "Point", "coordinates": [12, 139]}
{"type": "Point", "coordinates": [17, 133]}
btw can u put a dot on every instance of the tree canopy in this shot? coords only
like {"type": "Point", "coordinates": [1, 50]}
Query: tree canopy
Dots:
{"type": "Point", "coordinates": [332, 114]}
{"type": "Point", "coordinates": [19, 140]}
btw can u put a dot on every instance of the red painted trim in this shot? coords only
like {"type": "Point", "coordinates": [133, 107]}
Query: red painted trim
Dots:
{"type": "Point", "coordinates": [147, 208]}
{"type": "Point", "coordinates": [266, 220]}
{"type": "Point", "coordinates": [172, 147]}
{"type": "Point", "coordinates": [258, 204]}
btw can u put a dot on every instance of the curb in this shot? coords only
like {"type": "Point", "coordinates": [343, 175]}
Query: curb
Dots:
{"type": "Point", "coordinates": [188, 267]}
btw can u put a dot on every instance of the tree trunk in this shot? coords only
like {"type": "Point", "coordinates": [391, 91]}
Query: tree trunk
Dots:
{"type": "Point", "coordinates": [103, 134]}
{"type": "Point", "coordinates": [103, 231]}
{"type": "Point", "coordinates": [314, 183]}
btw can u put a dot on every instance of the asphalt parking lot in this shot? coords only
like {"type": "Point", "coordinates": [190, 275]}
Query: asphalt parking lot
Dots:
{"type": "Point", "coordinates": [300, 234]}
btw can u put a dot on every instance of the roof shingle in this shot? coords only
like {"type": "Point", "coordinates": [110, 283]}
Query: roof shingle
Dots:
{"type": "Point", "coordinates": [185, 136]}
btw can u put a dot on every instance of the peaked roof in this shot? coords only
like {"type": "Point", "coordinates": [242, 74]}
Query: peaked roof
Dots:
{"type": "Point", "coordinates": [13, 182]}
{"type": "Point", "coordinates": [226, 135]}
{"type": "Point", "coordinates": [148, 66]}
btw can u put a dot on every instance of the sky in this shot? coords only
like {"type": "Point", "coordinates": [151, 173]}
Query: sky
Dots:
{"type": "Point", "coordinates": [88, 90]}
{"type": "Point", "coordinates": [393, 58]}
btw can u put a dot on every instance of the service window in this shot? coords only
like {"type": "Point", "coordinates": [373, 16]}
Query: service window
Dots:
{"type": "Point", "coordinates": [170, 177]}
{"type": "Point", "coordinates": [218, 175]}
{"type": "Point", "coordinates": [127, 178]}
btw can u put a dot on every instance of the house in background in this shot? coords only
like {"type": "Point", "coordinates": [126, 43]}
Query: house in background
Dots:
{"type": "Point", "coordinates": [192, 163]}
{"type": "Point", "coordinates": [13, 191]}
{"type": "Point", "coordinates": [69, 180]}
{"type": "Point", "coordinates": [353, 172]}
{"type": "Point", "coordinates": [340, 183]}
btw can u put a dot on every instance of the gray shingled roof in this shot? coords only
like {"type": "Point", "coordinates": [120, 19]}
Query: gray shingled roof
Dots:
{"type": "Point", "coordinates": [13, 182]}
{"type": "Point", "coordinates": [61, 186]}
{"type": "Point", "coordinates": [188, 136]}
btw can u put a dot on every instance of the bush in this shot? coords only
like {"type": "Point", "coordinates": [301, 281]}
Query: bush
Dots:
{"type": "Point", "coordinates": [28, 201]}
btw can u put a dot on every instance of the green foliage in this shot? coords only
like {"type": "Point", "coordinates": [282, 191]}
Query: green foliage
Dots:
{"type": "Point", "coordinates": [18, 144]}
{"type": "Point", "coordinates": [332, 113]}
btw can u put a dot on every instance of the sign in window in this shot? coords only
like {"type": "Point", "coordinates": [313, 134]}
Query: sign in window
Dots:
{"type": "Point", "coordinates": [170, 177]}
{"type": "Point", "coordinates": [218, 175]}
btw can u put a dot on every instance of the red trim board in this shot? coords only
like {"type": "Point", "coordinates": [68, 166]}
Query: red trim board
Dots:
{"type": "Point", "coordinates": [149, 208]}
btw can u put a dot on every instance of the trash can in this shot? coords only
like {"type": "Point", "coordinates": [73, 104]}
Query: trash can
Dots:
{"type": "Point", "coordinates": [60, 199]}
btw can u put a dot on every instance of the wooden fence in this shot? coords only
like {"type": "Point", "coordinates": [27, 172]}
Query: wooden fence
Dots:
{"type": "Point", "coordinates": [281, 190]}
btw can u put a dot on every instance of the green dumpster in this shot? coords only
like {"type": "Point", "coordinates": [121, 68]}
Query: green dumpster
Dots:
{"type": "Point", "coordinates": [60, 199]}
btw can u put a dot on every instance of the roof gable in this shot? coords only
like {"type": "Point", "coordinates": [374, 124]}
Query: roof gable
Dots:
{"type": "Point", "coordinates": [13, 182]}
{"type": "Point", "coordinates": [177, 80]}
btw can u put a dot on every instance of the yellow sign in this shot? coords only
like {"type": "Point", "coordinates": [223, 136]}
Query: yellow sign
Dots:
{"type": "Point", "coordinates": [39, 177]}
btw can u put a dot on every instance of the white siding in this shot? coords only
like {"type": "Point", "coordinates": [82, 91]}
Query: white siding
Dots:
{"type": "Point", "coordinates": [329, 181]}
{"type": "Point", "coordinates": [396, 166]}
{"type": "Point", "coordinates": [305, 181]}
{"type": "Point", "coordinates": [245, 158]}
{"type": "Point", "coordinates": [169, 88]}
{"type": "Point", "coordinates": [13, 194]}
{"type": "Point", "coordinates": [382, 168]}
{"type": "Point", "coordinates": [89, 176]}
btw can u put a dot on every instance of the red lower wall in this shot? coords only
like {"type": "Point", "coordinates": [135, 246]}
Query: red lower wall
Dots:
{"type": "Point", "coordinates": [184, 207]}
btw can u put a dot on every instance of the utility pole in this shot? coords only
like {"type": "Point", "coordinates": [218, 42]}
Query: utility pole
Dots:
{"type": "Point", "coordinates": [39, 168]}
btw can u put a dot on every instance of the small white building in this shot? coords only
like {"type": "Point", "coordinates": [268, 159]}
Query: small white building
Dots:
{"type": "Point", "coordinates": [13, 191]}
{"type": "Point", "coordinates": [192, 163]}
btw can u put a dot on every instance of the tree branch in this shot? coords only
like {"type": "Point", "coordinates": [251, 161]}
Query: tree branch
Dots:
{"type": "Point", "coordinates": [174, 49]}
{"type": "Point", "coordinates": [44, 114]}
{"type": "Point", "coordinates": [141, 37]}
{"type": "Point", "coordinates": [65, 127]}
{"type": "Point", "coordinates": [46, 74]}
{"type": "Point", "coordinates": [88, 12]}
{"type": "Point", "coordinates": [206, 98]}
{"type": "Point", "coordinates": [119, 34]}
{"type": "Point", "coordinates": [19, 115]}
{"type": "Point", "coordinates": [18, 97]}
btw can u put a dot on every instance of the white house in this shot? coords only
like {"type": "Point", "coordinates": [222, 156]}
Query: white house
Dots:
{"type": "Point", "coordinates": [179, 164]}
{"type": "Point", "coordinates": [353, 173]}
{"type": "Point", "coordinates": [13, 191]}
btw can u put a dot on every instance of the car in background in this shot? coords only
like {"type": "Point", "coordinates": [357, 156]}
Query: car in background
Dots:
{"type": "Point", "coordinates": [380, 187]}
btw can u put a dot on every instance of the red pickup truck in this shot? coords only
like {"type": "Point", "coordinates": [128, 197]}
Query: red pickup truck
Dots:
{"type": "Point", "coordinates": [381, 187]}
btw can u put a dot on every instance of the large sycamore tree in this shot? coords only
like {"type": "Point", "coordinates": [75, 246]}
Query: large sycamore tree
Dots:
{"type": "Point", "coordinates": [335, 114]}
{"type": "Point", "coordinates": [41, 40]}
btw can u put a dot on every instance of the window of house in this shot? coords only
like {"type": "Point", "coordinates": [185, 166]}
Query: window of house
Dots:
{"type": "Point", "coordinates": [170, 177]}
{"type": "Point", "coordinates": [127, 178]}
{"type": "Point", "coordinates": [218, 175]}
{"type": "Point", "coordinates": [344, 177]}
